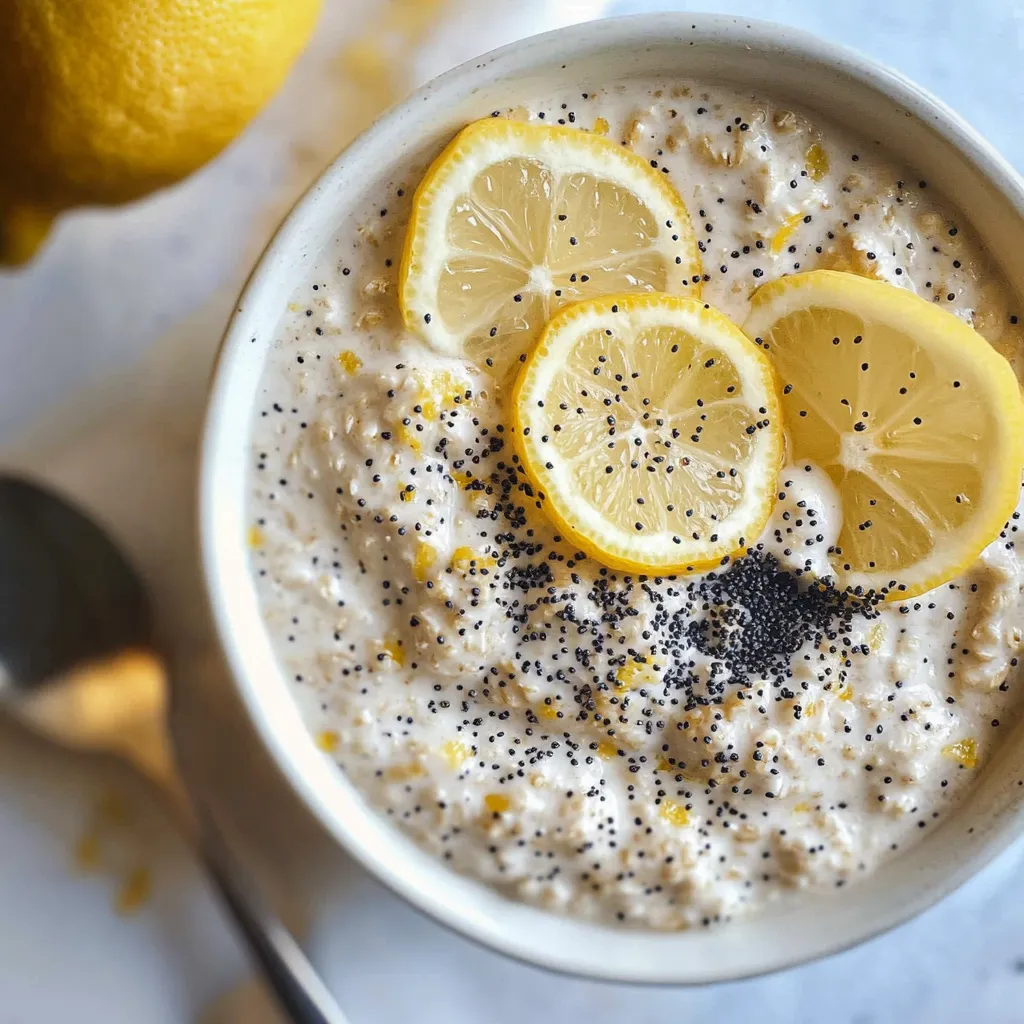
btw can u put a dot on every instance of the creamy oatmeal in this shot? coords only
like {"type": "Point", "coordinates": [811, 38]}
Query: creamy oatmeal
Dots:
{"type": "Point", "coordinates": [665, 752]}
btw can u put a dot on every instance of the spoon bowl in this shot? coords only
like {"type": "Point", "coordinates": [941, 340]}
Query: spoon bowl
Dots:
{"type": "Point", "coordinates": [68, 594]}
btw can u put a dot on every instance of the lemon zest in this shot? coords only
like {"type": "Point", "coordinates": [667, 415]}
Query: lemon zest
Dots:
{"type": "Point", "coordinates": [423, 562]}
{"type": "Point", "coordinates": [781, 237]}
{"type": "Point", "coordinates": [349, 362]}
{"type": "Point", "coordinates": [455, 752]}
{"type": "Point", "coordinates": [963, 751]}
{"type": "Point", "coordinates": [816, 161]}
{"type": "Point", "coordinates": [675, 814]}
{"type": "Point", "coordinates": [327, 740]}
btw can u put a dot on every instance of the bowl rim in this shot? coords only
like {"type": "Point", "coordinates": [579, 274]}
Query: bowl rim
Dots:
{"type": "Point", "coordinates": [560, 45]}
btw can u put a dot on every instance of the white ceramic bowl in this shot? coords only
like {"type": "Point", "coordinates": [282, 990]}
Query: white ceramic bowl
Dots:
{"type": "Point", "coordinates": [876, 104]}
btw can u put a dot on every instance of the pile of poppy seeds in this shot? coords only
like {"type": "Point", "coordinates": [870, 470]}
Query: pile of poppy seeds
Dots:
{"type": "Point", "coordinates": [747, 621]}
{"type": "Point", "coordinates": [758, 615]}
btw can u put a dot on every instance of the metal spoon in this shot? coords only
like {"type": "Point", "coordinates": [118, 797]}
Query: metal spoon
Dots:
{"type": "Point", "coordinates": [78, 665]}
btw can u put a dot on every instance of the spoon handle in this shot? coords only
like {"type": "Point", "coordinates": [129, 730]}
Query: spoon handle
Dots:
{"type": "Point", "coordinates": [295, 984]}
{"type": "Point", "coordinates": [286, 968]}
{"type": "Point", "coordinates": [291, 977]}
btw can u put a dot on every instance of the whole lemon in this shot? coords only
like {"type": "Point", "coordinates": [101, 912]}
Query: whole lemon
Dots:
{"type": "Point", "coordinates": [102, 101]}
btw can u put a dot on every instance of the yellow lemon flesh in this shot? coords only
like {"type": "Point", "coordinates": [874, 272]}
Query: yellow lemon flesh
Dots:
{"type": "Point", "coordinates": [917, 420]}
{"type": "Point", "coordinates": [106, 100]}
{"type": "Point", "coordinates": [515, 220]}
{"type": "Point", "coordinates": [650, 427]}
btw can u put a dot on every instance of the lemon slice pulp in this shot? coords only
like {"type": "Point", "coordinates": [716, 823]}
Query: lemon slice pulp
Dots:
{"type": "Point", "coordinates": [650, 428]}
{"type": "Point", "coordinates": [513, 221]}
{"type": "Point", "coordinates": [915, 417]}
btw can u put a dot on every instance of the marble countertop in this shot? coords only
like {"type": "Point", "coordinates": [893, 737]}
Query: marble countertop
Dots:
{"type": "Point", "coordinates": [106, 341]}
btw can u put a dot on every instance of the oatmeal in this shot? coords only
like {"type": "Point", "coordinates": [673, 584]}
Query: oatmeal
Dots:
{"type": "Point", "coordinates": [665, 752]}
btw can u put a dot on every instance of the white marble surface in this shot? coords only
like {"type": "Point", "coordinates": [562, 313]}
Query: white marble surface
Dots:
{"type": "Point", "coordinates": [130, 304]}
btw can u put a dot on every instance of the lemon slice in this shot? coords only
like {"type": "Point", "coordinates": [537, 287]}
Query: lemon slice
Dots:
{"type": "Point", "coordinates": [914, 416]}
{"type": "Point", "coordinates": [512, 221]}
{"type": "Point", "coordinates": [650, 427]}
